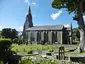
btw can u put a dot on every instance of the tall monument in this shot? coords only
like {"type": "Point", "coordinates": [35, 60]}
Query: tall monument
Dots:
{"type": "Point", "coordinates": [28, 23]}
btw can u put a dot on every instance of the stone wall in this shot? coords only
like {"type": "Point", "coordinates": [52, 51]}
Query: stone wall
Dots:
{"type": "Point", "coordinates": [59, 37]}
{"type": "Point", "coordinates": [46, 36]}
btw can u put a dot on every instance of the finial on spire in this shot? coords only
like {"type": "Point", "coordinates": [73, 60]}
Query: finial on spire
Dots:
{"type": "Point", "coordinates": [71, 25]}
{"type": "Point", "coordinates": [29, 11]}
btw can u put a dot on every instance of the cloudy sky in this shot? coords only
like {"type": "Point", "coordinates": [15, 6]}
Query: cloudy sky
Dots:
{"type": "Point", "coordinates": [13, 13]}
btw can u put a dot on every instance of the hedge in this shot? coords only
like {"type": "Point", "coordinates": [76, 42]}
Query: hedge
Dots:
{"type": "Point", "coordinates": [5, 44]}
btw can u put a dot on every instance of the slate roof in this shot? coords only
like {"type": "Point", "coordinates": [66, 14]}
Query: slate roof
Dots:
{"type": "Point", "coordinates": [68, 28]}
{"type": "Point", "coordinates": [47, 27]}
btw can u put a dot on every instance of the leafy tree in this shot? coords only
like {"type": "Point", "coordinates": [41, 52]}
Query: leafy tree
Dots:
{"type": "Point", "coordinates": [13, 33]}
{"type": "Point", "coordinates": [6, 32]}
{"type": "Point", "coordinates": [78, 8]}
{"type": "Point", "coordinates": [75, 34]}
{"type": "Point", "coordinates": [9, 33]}
{"type": "Point", "coordinates": [0, 34]}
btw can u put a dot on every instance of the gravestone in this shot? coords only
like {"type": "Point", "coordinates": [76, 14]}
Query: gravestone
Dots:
{"type": "Point", "coordinates": [49, 53]}
{"type": "Point", "coordinates": [35, 52]}
{"type": "Point", "coordinates": [61, 53]}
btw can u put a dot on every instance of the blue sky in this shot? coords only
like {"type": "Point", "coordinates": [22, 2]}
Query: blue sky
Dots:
{"type": "Point", "coordinates": [13, 13]}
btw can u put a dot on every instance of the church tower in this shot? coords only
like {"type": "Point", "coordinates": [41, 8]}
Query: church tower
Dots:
{"type": "Point", "coordinates": [28, 22]}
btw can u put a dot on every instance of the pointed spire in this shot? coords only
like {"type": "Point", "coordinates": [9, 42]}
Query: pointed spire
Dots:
{"type": "Point", "coordinates": [71, 24]}
{"type": "Point", "coordinates": [29, 11]}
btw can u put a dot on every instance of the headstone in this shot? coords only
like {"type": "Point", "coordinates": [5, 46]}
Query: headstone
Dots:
{"type": "Point", "coordinates": [49, 54]}
{"type": "Point", "coordinates": [21, 53]}
{"type": "Point", "coordinates": [61, 53]}
{"type": "Point", "coordinates": [35, 52]}
{"type": "Point", "coordinates": [32, 58]}
{"type": "Point", "coordinates": [44, 56]}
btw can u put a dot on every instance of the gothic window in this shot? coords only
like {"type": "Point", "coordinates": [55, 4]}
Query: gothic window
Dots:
{"type": "Point", "coordinates": [39, 35]}
{"type": "Point", "coordinates": [54, 36]}
{"type": "Point", "coordinates": [32, 36]}
{"type": "Point", "coordinates": [46, 36]}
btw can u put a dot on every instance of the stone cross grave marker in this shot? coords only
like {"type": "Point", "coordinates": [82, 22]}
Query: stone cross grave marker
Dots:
{"type": "Point", "coordinates": [61, 53]}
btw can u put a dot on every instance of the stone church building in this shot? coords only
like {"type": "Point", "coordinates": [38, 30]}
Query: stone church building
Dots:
{"type": "Point", "coordinates": [50, 34]}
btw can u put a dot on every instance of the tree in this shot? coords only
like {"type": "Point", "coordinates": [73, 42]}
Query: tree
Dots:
{"type": "Point", "coordinates": [9, 33]}
{"type": "Point", "coordinates": [13, 33]}
{"type": "Point", "coordinates": [6, 32]}
{"type": "Point", "coordinates": [78, 8]}
{"type": "Point", "coordinates": [75, 34]}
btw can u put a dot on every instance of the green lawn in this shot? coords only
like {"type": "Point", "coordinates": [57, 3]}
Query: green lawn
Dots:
{"type": "Point", "coordinates": [27, 48]}
{"type": "Point", "coordinates": [23, 47]}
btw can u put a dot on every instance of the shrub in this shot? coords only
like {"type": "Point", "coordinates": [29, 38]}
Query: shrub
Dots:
{"type": "Point", "coordinates": [47, 61]}
{"type": "Point", "coordinates": [15, 40]}
{"type": "Point", "coordinates": [5, 44]}
{"type": "Point", "coordinates": [44, 61]}
{"type": "Point", "coordinates": [29, 52]}
{"type": "Point", "coordinates": [80, 63]}
{"type": "Point", "coordinates": [27, 61]}
{"type": "Point", "coordinates": [1, 62]}
{"type": "Point", "coordinates": [24, 50]}
{"type": "Point", "coordinates": [50, 50]}
{"type": "Point", "coordinates": [17, 50]}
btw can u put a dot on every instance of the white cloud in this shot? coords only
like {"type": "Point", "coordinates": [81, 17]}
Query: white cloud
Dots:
{"type": "Point", "coordinates": [84, 17]}
{"type": "Point", "coordinates": [34, 16]}
{"type": "Point", "coordinates": [27, 1]}
{"type": "Point", "coordinates": [18, 28]}
{"type": "Point", "coordinates": [33, 3]}
{"type": "Point", "coordinates": [54, 16]}
{"type": "Point", "coordinates": [21, 27]}
{"type": "Point", "coordinates": [1, 27]}
{"type": "Point", "coordinates": [67, 25]}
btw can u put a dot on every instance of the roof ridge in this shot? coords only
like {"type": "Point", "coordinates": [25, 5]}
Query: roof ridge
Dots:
{"type": "Point", "coordinates": [47, 27]}
{"type": "Point", "coordinates": [51, 25]}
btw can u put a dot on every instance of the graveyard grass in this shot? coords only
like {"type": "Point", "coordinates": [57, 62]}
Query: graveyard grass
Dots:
{"type": "Point", "coordinates": [50, 48]}
{"type": "Point", "coordinates": [26, 48]}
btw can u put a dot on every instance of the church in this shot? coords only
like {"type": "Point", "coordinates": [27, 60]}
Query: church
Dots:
{"type": "Point", "coordinates": [47, 34]}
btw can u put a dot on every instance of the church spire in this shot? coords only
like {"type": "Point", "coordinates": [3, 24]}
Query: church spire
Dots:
{"type": "Point", "coordinates": [29, 11]}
